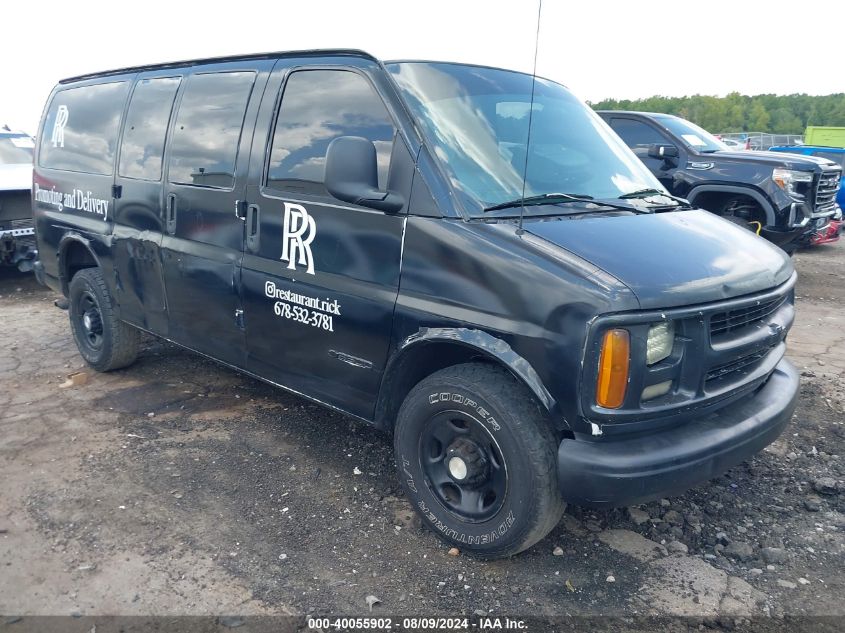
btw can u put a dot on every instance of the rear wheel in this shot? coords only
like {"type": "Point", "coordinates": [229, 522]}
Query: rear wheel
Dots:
{"type": "Point", "coordinates": [104, 341]}
{"type": "Point", "coordinates": [477, 458]}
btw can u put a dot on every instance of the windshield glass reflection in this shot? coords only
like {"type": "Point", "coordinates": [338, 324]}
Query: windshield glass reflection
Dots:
{"type": "Point", "coordinates": [477, 120]}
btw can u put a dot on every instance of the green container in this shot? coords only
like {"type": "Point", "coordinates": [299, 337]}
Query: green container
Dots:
{"type": "Point", "coordinates": [825, 136]}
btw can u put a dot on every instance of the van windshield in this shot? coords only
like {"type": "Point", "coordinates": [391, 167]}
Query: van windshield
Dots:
{"type": "Point", "coordinates": [476, 121]}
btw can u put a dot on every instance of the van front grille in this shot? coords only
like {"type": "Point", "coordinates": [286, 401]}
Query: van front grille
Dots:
{"type": "Point", "coordinates": [731, 321]}
{"type": "Point", "coordinates": [735, 366]}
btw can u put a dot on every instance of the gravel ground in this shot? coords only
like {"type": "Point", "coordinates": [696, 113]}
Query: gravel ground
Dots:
{"type": "Point", "coordinates": [177, 486]}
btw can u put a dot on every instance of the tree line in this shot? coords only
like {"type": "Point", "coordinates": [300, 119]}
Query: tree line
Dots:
{"type": "Point", "coordinates": [775, 114]}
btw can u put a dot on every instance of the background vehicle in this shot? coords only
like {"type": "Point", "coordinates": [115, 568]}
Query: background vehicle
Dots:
{"type": "Point", "coordinates": [824, 136]}
{"type": "Point", "coordinates": [736, 146]}
{"type": "Point", "coordinates": [833, 230]}
{"type": "Point", "coordinates": [786, 199]}
{"type": "Point", "coordinates": [760, 140]}
{"type": "Point", "coordinates": [564, 329]}
{"type": "Point", "coordinates": [17, 236]}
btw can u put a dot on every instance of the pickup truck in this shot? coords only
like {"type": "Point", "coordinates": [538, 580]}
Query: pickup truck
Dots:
{"type": "Point", "coordinates": [17, 236]}
{"type": "Point", "coordinates": [785, 198]}
{"type": "Point", "coordinates": [833, 230]}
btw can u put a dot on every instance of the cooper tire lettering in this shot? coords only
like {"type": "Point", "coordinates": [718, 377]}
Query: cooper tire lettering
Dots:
{"type": "Point", "coordinates": [454, 413]}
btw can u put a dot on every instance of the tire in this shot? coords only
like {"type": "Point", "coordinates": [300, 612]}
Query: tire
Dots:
{"type": "Point", "coordinates": [501, 495]}
{"type": "Point", "coordinates": [104, 341]}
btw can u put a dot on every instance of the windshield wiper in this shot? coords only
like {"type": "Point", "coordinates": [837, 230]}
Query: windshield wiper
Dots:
{"type": "Point", "coordinates": [647, 193]}
{"type": "Point", "coordinates": [545, 198]}
{"type": "Point", "coordinates": [562, 198]}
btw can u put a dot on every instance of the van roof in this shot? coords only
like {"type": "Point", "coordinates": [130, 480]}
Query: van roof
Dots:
{"type": "Point", "coordinates": [352, 52]}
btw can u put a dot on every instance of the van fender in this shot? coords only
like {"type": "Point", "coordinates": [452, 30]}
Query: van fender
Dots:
{"type": "Point", "coordinates": [745, 191]}
{"type": "Point", "coordinates": [67, 240]}
{"type": "Point", "coordinates": [486, 345]}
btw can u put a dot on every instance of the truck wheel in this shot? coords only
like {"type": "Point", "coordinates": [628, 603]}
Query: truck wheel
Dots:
{"type": "Point", "coordinates": [477, 459]}
{"type": "Point", "coordinates": [105, 342]}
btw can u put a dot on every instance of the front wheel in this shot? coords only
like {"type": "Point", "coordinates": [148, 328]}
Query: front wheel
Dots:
{"type": "Point", "coordinates": [477, 459]}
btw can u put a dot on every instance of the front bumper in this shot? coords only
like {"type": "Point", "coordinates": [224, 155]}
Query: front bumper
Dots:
{"type": "Point", "coordinates": [629, 471]}
{"type": "Point", "coordinates": [788, 239]}
{"type": "Point", "coordinates": [829, 233]}
{"type": "Point", "coordinates": [17, 244]}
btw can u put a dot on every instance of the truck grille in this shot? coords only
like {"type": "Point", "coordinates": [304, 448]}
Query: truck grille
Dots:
{"type": "Point", "coordinates": [730, 321]}
{"type": "Point", "coordinates": [827, 187]}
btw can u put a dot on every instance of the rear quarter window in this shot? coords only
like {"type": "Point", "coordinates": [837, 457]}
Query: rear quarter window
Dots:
{"type": "Point", "coordinates": [81, 129]}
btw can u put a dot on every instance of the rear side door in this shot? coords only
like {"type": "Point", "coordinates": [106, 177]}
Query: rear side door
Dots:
{"type": "Point", "coordinates": [321, 276]}
{"type": "Point", "coordinates": [639, 136]}
{"type": "Point", "coordinates": [139, 201]}
{"type": "Point", "coordinates": [73, 181]}
{"type": "Point", "coordinates": [207, 162]}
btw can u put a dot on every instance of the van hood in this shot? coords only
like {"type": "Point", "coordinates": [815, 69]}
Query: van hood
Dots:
{"type": "Point", "coordinates": [16, 177]}
{"type": "Point", "coordinates": [671, 259]}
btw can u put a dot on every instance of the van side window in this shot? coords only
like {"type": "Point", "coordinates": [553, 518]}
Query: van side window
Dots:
{"type": "Point", "coordinates": [208, 129]}
{"type": "Point", "coordinates": [317, 107]}
{"type": "Point", "coordinates": [637, 135]}
{"type": "Point", "coordinates": [142, 147]}
{"type": "Point", "coordinates": [80, 131]}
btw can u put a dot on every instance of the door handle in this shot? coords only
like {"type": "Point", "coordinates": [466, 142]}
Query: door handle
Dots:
{"type": "Point", "coordinates": [253, 227]}
{"type": "Point", "coordinates": [170, 213]}
{"type": "Point", "coordinates": [240, 206]}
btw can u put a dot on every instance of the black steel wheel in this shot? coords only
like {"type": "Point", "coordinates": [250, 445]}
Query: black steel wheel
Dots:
{"type": "Point", "coordinates": [463, 465]}
{"type": "Point", "coordinates": [91, 322]}
{"type": "Point", "coordinates": [477, 458]}
{"type": "Point", "coordinates": [103, 340]}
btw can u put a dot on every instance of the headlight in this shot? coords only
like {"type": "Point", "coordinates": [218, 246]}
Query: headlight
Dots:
{"type": "Point", "coordinates": [792, 181]}
{"type": "Point", "coordinates": [661, 338]}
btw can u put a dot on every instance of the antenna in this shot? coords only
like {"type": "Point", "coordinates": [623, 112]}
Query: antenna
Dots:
{"type": "Point", "coordinates": [530, 116]}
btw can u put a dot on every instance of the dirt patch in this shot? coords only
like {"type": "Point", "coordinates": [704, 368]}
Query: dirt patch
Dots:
{"type": "Point", "coordinates": [178, 486]}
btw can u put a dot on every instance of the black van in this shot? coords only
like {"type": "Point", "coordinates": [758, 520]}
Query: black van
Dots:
{"type": "Point", "coordinates": [466, 257]}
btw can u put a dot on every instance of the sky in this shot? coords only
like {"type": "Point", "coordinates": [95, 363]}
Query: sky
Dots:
{"type": "Point", "coordinates": [599, 49]}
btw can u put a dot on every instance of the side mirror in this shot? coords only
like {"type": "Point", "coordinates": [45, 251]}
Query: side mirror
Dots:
{"type": "Point", "coordinates": [662, 152]}
{"type": "Point", "coordinates": [352, 174]}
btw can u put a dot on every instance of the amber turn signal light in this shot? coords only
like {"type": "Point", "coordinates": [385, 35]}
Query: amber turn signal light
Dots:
{"type": "Point", "coordinates": [613, 369]}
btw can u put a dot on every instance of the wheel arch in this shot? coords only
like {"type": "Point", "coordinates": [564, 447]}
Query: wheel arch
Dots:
{"type": "Point", "coordinates": [433, 349]}
{"type": "Point", "coordinates": [756, 195]}
{"type": "Point", "coordinates": [74, 253]}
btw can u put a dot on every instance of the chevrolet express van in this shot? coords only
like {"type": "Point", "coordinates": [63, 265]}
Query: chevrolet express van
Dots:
{"type": "Point", "coordinates": [466, 257]}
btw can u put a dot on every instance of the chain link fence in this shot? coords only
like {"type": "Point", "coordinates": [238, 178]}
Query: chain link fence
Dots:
{"type": "Point", "coordinates": [763, 141]}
